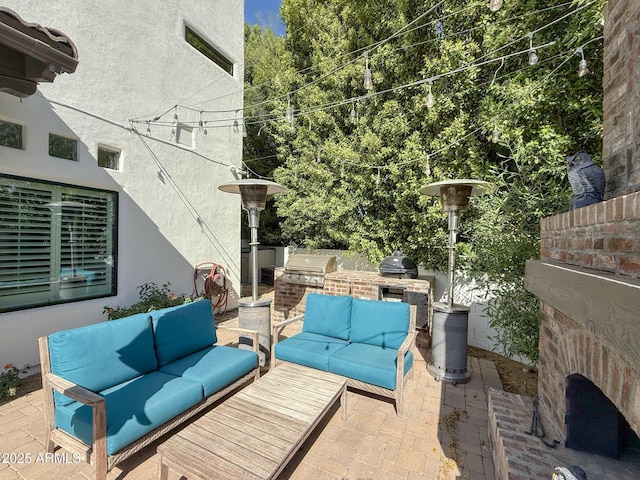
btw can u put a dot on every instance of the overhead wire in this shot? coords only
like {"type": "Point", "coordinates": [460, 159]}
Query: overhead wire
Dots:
{"type": "Point", "coordinates": [252, 120]}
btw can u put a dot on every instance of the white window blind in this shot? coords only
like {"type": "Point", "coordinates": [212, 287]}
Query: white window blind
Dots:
{"type": "Point", "coordinates": [57, 243]}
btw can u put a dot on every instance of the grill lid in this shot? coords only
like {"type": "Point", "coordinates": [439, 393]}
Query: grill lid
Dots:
{"type": "Point", "coordinates": [398, 264]}
{"type": "Point", "coordinates": [312, 263]}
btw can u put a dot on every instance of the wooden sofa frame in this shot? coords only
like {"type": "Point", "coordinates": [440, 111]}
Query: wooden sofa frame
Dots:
{"type": "Point", "coordinates": [96, 454]}
{"type": "Point", "coordinates": [401, 379]}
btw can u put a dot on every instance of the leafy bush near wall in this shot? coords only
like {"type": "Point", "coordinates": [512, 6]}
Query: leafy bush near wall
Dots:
{"type": "Point", "coordinates": [152, 297]}
{"type": "Point", "coordinates": [10, 380]}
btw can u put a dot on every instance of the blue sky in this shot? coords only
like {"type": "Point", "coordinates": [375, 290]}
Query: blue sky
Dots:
{"type": "Point", "coordinates": [265, 13]}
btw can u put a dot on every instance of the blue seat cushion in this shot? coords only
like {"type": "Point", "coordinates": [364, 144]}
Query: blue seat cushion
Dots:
{"type": "Point", "coordinates": [375, 322]}
{"type": "Point", "coordinates": [369, 363]}
{"type": "Point", "coordinates": [328, 315]}
{"type": "Point", "coordinates": [309, 349]}
{"type": "Point", "coordinates": [180, 331]}
{"type": "Point", "coordinates": [214, 367]}
{"type": "Point", "coordinates": [133, 409]}
{"type": "Point", "coordinates": [104, 354]}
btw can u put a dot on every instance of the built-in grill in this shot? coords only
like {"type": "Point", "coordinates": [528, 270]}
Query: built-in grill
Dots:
{"type": "Point", "coordinates": [398, 266]}
{"type": "Point", "coordinates": [309, 269]}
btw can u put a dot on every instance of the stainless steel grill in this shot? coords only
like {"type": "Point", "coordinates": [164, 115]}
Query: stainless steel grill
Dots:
{"type": "Point", "coordinates": [309, 269]}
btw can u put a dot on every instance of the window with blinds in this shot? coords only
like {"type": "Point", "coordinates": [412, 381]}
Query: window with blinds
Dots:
{"type": "Point", "coordinates": [57, 243]}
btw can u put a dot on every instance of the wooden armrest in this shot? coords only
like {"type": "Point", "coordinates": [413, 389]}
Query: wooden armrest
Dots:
{"type": "Point", "coordinates": [73, 390]}
{"type": "Point", "coordinates": [407, 344]}
{"type": "Point", "coordinates": [254, 334]}
{"type": "Point", "coordinates": [277, 327]}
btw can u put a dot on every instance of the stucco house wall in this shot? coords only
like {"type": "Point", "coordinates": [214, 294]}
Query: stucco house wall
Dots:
{"type": "Point", "coordinates": [134, 63]}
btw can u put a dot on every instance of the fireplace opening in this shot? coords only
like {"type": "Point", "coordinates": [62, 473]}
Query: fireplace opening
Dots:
{"type": "Point", "coordinates": [593, 423]}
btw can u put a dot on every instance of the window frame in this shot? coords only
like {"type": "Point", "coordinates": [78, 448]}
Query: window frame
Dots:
{"type": "Point", "coordinates": [107, 148]}
{"type": "Point", "coordinates": [64, 137]}
{"type": "Point", "coordinates": [208, 50]}
{"type": "Point", "coordinates": [21, 126]}
{"type": "Point", "coordinates": [44, 229]}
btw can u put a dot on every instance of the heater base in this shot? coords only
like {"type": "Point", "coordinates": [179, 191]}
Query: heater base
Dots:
{"type": "Point", "coordinates": [449, 343]}
{"type": "Point", "coordinates": [256, 315]}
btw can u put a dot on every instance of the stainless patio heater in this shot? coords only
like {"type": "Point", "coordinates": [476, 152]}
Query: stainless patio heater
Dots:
{"type": "Point", "coordinates": [450, 321]}
{"type": "Point", "coordinates": [254, 312]}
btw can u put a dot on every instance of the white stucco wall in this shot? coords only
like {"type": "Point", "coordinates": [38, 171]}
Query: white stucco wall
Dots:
{"type": "Point", "coordinates": [135, 63]}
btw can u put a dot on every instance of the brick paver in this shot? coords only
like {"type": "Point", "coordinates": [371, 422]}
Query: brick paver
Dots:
{"type": "Point", "coordinates": [442, 435]}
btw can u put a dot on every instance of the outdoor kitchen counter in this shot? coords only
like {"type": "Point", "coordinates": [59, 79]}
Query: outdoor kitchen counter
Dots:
{"type": "Point", "coordinates": [290, 298]}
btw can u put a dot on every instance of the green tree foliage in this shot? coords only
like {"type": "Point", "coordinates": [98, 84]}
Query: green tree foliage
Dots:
{"type": "Point", "coordinates": [356, 185]}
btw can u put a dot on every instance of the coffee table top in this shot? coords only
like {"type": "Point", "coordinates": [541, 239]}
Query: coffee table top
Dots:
{"type": "Point", "coordinates": [254, 433]}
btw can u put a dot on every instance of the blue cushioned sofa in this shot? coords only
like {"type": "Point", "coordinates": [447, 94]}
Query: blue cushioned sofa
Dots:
{"type": "Point", "coordinates": [114, 387]}
{"type": "Point", "coordinates": [367, 341]}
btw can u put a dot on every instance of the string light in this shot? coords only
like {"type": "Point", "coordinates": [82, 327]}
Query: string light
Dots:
{"type": "Point", "coordinates": [402, 31]}
{"type": "Point", "coordinates": [353, 116]}
{"type": "Point", "coordinates": [495, 5]}
{"type": "Point", "coordinates": [582, 66]}
{"type": "Point", "coordinates": [427, 167]}
{"type": "Point", "coordinates": [430, 101]}
{"type": "Point", "coordinates": [244, 128]}
{"type": "Point", "coordinates": [368, 83]}
{"type": "Point", "coordinates": [495, 138]}
{"type": "Point", "coordinates": [378, 177]}
{"type": "Point", "coordinates": [148, 129]}
{"type": "Point", "coordinates": [533, 57]}
{"type": "Point", "coordinates": [289, 113]}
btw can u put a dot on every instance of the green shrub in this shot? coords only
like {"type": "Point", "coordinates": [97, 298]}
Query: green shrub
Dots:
{"type": "Point", "coordinates": [10, 380]}
{"type": "Point", "coordinates": [152, 298]}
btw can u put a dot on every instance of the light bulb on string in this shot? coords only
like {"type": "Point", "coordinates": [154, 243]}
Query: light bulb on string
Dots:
{"type": "Point", "coordinates": [495, 138]}
{"type": "Point", "coordinates": [175, 114]}
{"type": "Point", "coordinates": [244, 128]}
{"type": "Point", "coordinates": [427, 168]}
{"type": "Point", "coordinates": [204, 132]}
{"type": "Point", "coordinates": [368, 83]}
{"type": "Point", "coordinates": [289, 112]}
{"type": "Point", "coordinates": [430, 100]}
{"type": "Point", "coordinates": [582, 66]}
{"type": "Point", "coordinates": [200, 122]}
{"type": "Point", "coordinates": [495, 5]}
{"type": "Point", "coordinates": [533, 56]}
{"type": "Point", "coordinates": [378, 177]}
{"type": "Point", "coordinates": [148, 129]}
{"type": "Point", "coordinates": [353, 116]}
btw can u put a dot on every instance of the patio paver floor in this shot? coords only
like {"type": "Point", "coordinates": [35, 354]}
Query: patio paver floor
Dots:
{"type": "Point", "coordinates": [442, 435]}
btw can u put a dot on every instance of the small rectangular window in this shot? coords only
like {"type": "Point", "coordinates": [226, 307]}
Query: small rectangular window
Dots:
{"type": "Point", "coordinates": [10, 134]}
{"type": "Point", "coordinates": [109, 158]}
{"type": "Point", "coordinates": [197, 42]}
{"type": "Point", "coordinates": [63, 147]}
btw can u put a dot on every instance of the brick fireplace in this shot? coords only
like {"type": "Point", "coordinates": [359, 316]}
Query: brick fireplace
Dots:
{"type": "Point", "coordinates": [588, 275]}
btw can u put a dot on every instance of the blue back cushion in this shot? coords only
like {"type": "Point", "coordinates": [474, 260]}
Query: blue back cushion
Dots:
{"type": "Point", "coordinates": [182, 330]}
{"type": "Point", "coordinates": [328, 315]}
{"type": "Point", "coordinates": [376, 322]}
{"type": "Point", "coordinates": [104, 354]}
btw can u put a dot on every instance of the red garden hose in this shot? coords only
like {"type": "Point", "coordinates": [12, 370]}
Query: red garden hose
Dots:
{"type": "Point", "coordinates": [215, 285]}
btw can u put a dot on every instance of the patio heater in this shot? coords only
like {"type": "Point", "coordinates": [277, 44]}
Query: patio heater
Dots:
{"type": "Point", "coordinates": [451, 321]}
{"type": "Point", "coordinates": [254, 312]}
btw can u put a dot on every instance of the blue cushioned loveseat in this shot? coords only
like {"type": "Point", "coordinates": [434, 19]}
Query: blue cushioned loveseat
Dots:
{"type": "Point", "coordinates": [367, 341]}
{"type": "Point", "coordinates": [114, 387]}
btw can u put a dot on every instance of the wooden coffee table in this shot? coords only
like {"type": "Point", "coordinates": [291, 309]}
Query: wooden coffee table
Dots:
{"type": "Point", "coordinates": [254, 433]}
